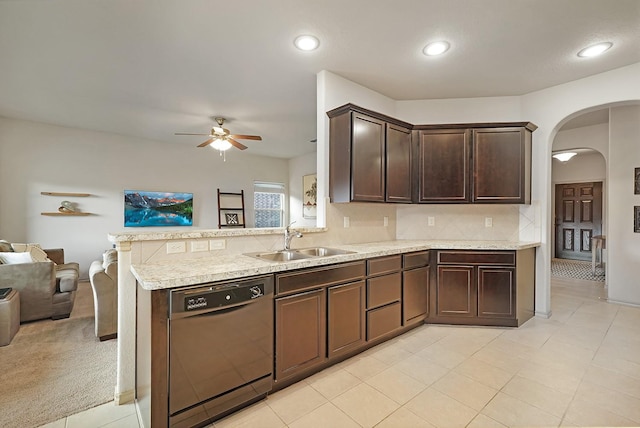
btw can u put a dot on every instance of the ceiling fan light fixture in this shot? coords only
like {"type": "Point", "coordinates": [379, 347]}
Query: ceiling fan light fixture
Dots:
{"type": "Point", "coordinates": [220, 144]}
{"type": "Point", "coordinates": [564, 157]}
{"type": "Point", "coordinates": [595, 50]}
{"type": "Point", "coordinates": [436, 48]}
{"type": "Point", "coordinates": [306, 42]}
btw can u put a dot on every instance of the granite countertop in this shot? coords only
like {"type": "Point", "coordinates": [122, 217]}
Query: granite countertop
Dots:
{"type": "Point", "coordinates": [163, 275]}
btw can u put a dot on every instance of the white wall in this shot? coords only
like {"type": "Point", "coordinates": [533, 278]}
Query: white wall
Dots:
{"type": "Point", "coordinates": [36, 157]}
{"type": "Point", "coordinates": [623, 245]}
{"type": "Point", "coordinates": [299, 167]}
{"type": "Point", "coordinates": [580, 169]}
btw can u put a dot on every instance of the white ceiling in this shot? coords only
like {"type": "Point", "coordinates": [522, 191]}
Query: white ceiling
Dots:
{"type": "Point", "coordinates": [150, 68]}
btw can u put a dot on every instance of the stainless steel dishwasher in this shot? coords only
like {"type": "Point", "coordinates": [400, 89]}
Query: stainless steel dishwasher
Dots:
{"type": "Point", "coordinates": [220, 348]}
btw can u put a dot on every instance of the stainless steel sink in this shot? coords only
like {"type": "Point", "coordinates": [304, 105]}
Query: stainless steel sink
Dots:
{"type": "Point", "coordinates": [323, 252]}
{"type": "Point", "coordinates": [279, 256]}
{"type": "Point", "coordinates": [301, 254]}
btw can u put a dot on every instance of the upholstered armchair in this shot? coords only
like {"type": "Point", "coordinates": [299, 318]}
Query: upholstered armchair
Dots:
{"type": "Point", "coordinates": [46, 284]}
{"type": "Point", "coordinates": [103, 275]}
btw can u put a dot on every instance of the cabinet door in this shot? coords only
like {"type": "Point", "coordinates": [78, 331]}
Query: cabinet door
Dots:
{"type": "Point", "coordinates": [346, 318]}
{"type": "Point", "coordinates": [415, 295]}
{"type": "Point", "coordinates": [300, 333]}
{"type": "Point", "coordinates": [367, 158]}
{"type": "Point", "coordinates": [398, 164]}
{"type": "Point", "coordinates": [501, 165]}
{"type": "Point", "coordinates": [443, 165]}
{"type": "Point", "coordinates": [496, 292]}
{"type": "Point", "coordinates": [456, 293]}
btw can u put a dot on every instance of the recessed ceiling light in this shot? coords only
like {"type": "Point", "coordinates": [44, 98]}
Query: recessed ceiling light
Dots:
{"type": "Point", "coordinates": [306, 42]}
{"type": "Point", "coordinates": [595, 50]}
{"type": "Point", "coordinates": [564, 157]}
{"type": "Point", "coordinates": [436, 48]}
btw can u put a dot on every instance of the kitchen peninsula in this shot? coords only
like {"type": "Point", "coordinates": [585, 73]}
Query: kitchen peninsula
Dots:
{"type": "Point", "coordinates": [479, 270]}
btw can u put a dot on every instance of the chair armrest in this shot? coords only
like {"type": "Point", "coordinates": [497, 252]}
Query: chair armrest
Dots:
{"type": "Point", "coordinates": [56, 255]}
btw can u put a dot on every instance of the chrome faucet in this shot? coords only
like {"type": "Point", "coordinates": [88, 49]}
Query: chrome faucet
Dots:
{"type": "Point", "coordinates": [289, 235]}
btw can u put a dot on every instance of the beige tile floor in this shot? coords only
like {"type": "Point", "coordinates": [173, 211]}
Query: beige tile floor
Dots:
{"type": "Point", "coordinates": [581, 368]}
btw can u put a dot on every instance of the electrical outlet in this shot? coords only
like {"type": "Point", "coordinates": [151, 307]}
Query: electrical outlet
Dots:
{"type": "Point", "coordinates": [217, 244]}
{"type": "Point", "coordinates": [347, 223]}
{"type": "Point", "coordinates": [488, 222]}
{"type": "Point", "coordinates": [176, 247]}
{"type": "Point", "coordinates": [197, 246]}
{"type": "Point", "coordinates": [385, 220]}
{"type": "Point", "coordinates": [431, 221]}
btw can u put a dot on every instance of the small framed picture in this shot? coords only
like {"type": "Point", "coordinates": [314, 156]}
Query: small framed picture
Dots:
{"type": "Point", "coordinates": [309, 196]}
{"type": "Point", "coordinates": [232, 218]}
{"type": "Point", "coordinates": [636, 183]}
{"type": "Point", "coordinates": [636, 219]}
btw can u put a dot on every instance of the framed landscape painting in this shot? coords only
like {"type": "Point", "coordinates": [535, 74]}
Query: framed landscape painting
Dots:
{"type": "Point", "coordinates": [142, 209]}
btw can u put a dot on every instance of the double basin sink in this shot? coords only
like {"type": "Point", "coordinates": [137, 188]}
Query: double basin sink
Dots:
{"type": "Point", "coordinates": [301, 254]}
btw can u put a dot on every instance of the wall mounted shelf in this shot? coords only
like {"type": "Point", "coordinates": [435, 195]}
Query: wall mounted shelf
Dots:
{"type": "Point", "coordinates": [79, 195]}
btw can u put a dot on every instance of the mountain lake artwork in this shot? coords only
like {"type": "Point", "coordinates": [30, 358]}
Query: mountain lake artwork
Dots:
{"type": "Point", "coordinates": [143, 209]}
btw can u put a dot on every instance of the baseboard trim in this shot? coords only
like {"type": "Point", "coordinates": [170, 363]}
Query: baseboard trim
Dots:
{"type": "Point", "coordinates": [546, 315]}
{"type": "Point", "coordinates": [124, 397]}
{"type": "Point", "coordinates": [621, 302]}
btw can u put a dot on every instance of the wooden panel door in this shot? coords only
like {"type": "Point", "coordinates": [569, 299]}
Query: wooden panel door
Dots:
{"type": "Point", "coordinates": [578, 218]}
{"type": "Point", "coordinates": [499, 165]}
{"type": "Point", "coordinates": [443, 165]}
{"type": "Point", "coordinates": [398, 164]}
{"type": "Point", "coordinates": [346, 318]}
{"type": "Point", "coordinates": [300, 333]}
{"type": "Point", "coordinates": [367, 158]}
{"type": "Point", "coordinates": [496, 292]}
{"type": "Point", "coordinates": [415, 296]}
{"type": "Point", "coordinates": [456, 293]}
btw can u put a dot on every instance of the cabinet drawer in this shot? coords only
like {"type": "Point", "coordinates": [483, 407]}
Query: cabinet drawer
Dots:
{"type": "Point", "coordinates": [384, 289]}
{"type": "Point", "coordinates": [503, 258]}
{"type": "Point", "coordinates": [383, 320]}
{"type": "Point", "coordinates": [415, 260]}
{"type": "Point", "coordinates": [319, 277]}
{"type": "Point", "coordinates": [384, 265]}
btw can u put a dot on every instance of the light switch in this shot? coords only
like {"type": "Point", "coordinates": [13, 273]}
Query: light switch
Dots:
{"type": "Point", "coordinates": [197, 246]}
{"type": "Point", "coordinates": [385, 220]}
{"type": "Point", "coordinates": [488, 222]}
{"type": "Point", "coordinates": [217, 244]}
{"type": "Point", "coordinates": [347, 223]}
{"type": "Point", "coordinates": [431, 221]}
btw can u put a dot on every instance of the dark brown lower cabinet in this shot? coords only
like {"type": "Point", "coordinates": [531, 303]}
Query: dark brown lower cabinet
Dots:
{"type": "Point", "coordinates": [300, 333]}
{"type": "Point", "coordinates": [484, 287]}
{"type": "Point", "coordinates": [415, 295]}
{"type": "Point", "coordinates": [496, 292]}
{"type": "Point", "coordinates": [345, 318]}
{"type": "Point", "coordinates": [456, 291]}
{"type": "Point", "coordinates": [383, 320]}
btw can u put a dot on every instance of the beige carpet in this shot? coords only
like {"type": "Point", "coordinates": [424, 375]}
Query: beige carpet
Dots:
{"type": "Point", "coordinates": [54, 369]}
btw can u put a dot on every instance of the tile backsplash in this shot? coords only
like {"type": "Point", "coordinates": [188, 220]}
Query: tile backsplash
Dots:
{"type": "Point", "coordinates": [459, 222]}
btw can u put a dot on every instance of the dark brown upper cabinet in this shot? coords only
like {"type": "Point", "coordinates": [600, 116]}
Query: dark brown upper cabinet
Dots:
{"type": "Point", "coordinates": [370, 157]}
{"type": "Point", "coordinates": [502, 165]}
{"type": "Point", "coordinates": [443, 165]}
{"type": "Point", "coordinates": [376, 158]}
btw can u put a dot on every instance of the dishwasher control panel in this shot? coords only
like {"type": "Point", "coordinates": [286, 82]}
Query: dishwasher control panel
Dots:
{"type": "Point", "coordinates": [218, 296]}
{"type": "Point", "coordinates": [225, 296]}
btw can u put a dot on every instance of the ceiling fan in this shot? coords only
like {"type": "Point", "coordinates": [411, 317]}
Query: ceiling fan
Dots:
{"type": "Point", "coordinates": [220, 138]}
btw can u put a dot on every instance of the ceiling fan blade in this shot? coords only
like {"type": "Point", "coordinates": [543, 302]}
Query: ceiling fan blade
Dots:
{"type": "Point", "coordinates": [236, 144]}
{"type": "Point", "coordinates": [206, 143]}
{"type": "Point", "coordinates": [246, 137]}
{"type": "Point", "coordinates": [184, 133]}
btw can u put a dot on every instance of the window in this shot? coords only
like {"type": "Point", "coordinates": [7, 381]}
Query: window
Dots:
{"type": "Point", "coordinates": [268, 204]}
